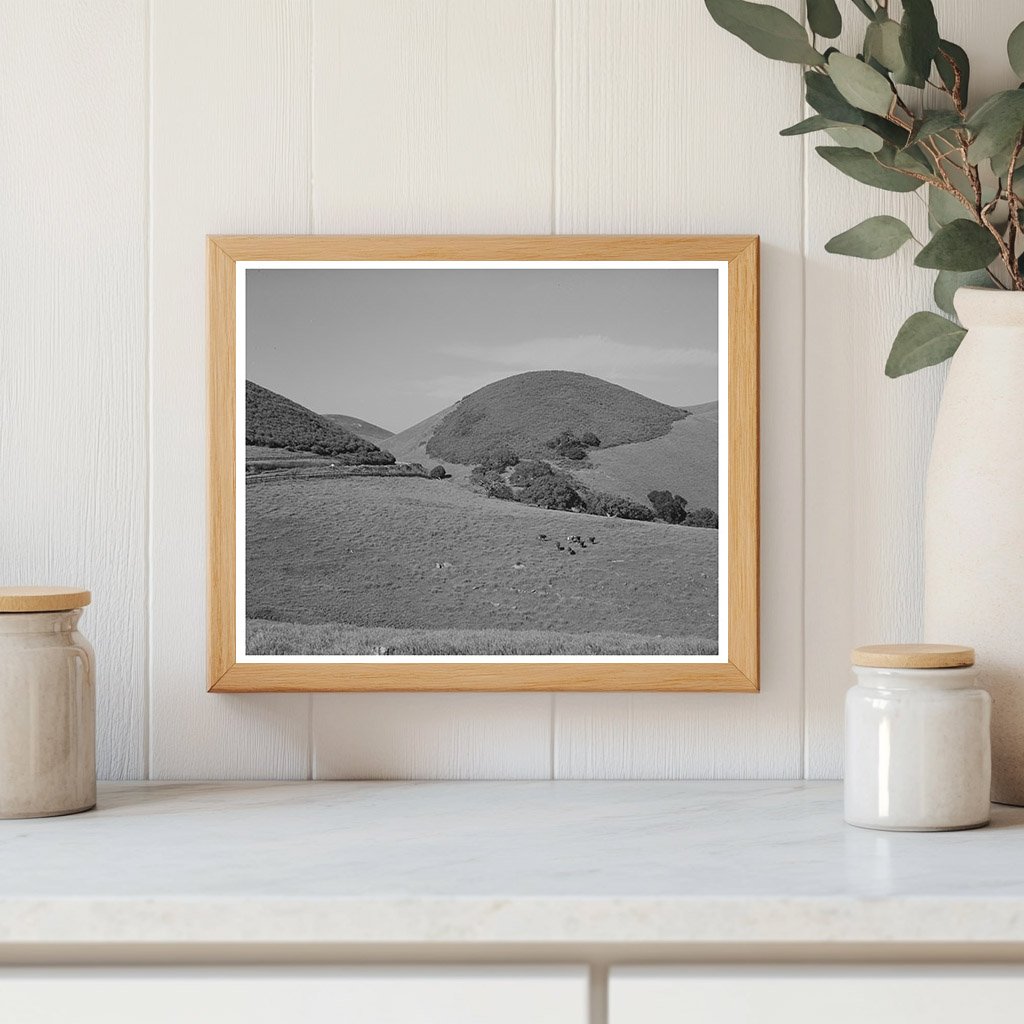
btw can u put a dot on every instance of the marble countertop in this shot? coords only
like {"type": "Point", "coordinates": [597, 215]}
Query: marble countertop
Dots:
{"type": "Point", "coordinates": [500, 862]}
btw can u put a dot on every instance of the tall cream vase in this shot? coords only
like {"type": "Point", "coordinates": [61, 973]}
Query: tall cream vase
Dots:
{"type": "Point", "coordinates": [974, 517]}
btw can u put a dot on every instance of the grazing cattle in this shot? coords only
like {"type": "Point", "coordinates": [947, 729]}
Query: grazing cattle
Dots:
{"type": "Point", "coordinates": [593, 540]}
{"type": "Point", "coordinates": [583, 543]}
{"type": "Point", "coordinates": [572, 551]}
{"type": "Point", "coordinates": [559, 546]}
{"type": "Point", "coordinates": [542, 536]}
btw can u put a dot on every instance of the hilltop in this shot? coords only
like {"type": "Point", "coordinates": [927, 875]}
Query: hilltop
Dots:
{"type": "Point", "coordinates": [526, 411]}
{"type": "Point", "coordinates": [273, 421]}
{"type": "Point", "coordinates": [367, 431]}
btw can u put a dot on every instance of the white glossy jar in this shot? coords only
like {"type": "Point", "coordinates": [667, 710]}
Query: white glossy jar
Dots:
{"type": "Point", "coordinates": [47, 704]}
{"type": "Point", "coordinates": [918, 747]}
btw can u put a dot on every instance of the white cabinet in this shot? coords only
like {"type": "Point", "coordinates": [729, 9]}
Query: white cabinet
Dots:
{"type": "Point", "coordinates": [812, 995]}
{"type": "Point", "coordinates": [372, 995]}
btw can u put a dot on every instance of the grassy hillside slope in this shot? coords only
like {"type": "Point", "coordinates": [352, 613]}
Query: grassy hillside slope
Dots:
{"type": "Point", "coordinates": [683, 461]}
{"type": "Point", "coordinates": [365, 552]}
{"type": "Point", "coordinates": [527, 410]}
{"type": "Point", "coordinates": [411, 445]}
{"type": "Point", "coordinates": [368, 431]}
{"type": "Point", "coordinates": [273, 421]}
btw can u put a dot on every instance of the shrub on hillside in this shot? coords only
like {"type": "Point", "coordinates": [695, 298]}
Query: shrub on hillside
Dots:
{"type": "Point", "coordinates": [500, 459]}
{"type": "Point", "coordinates": [590, 439]}
{"type": "Point", "coordinates": [438, 473]}
{"type": "Point", "coordinates": [526, 472]}
{"type": "Point", "coordinates": [568, 446]}
{"type": "Point", "coordinates": [601, 504]}
{"type": "Point", "coordinates": [703, 517]}
{"type": "Point", "coordinates": [668, 506]}
{"type": "Point", "coordinates": [552, 492]}
{"type": "Point", "coordinates": [491, 483]}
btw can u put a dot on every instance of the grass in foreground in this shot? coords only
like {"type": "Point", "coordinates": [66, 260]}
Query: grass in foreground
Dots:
{"type": "Point", "coordinates": [291, 638]}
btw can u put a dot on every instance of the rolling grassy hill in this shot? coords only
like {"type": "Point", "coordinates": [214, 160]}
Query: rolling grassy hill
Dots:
{"type": "Point", "coordinates": [273, 421]}
{"type": "Point", "coordinates": [411, 445]}
{"type": "Point", "coordinates": [423, 566]}
{"type": "Point", "coordinates": [683, 461]}
{"type": "Point", "coordinates": [367, 431]}
{"type": "Point", "coordinates": [527, 410]}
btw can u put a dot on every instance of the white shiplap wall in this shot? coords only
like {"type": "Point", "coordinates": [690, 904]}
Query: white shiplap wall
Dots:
{"type": "Point", "coordinates": [132, 129]}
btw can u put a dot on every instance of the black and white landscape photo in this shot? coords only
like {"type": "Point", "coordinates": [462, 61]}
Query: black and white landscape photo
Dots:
{"type": "Point", "coordinates": [482, 461]}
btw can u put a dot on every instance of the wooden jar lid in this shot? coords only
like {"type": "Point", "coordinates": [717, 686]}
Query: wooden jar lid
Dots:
{"type": "Point", "coordinates": [913, 656]}
{"type": "Point", "coordinates": [42, 599]}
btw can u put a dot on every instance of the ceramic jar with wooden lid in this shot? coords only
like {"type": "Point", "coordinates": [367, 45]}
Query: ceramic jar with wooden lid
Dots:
{"type": "Point", "coordinates": [918, 749]}
{"type": "Point", "coordinates": [47, 704]}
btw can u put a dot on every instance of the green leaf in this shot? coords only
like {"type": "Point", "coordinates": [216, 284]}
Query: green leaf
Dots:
{"type": "Point", "coordinates": [1015, 50]}
{"type": "Point", "coordinates": [808, 125]}
{"type": "Point", "coordinates": [912, 159]}
{"type": "Point", "coordinates": [997, 124]}
{"type": "Point", "coordinates": [919, 36]}
{"type": "Point", "coordinates": [926, 339]}
{"type": "Point", "coordinates": [951, 55]}
{"type": "Point", "coordinates": [934, 122]}
{"type": "Point", "coordinates": [944, 208]}
{"type": "Point", "coordinates": [864, 167]}
{"type": "Point", "coordinates": [947, 282]}
{"type": "Point", "coordinates": [872, 239]}
{"type": "Point", "coordinates": [882, 44]}
{"type": "Point", "coordinates": [864, 7]}
{"type": "Point", "coordinates": [960, 245]}
{"type": "Point", "coordinates": [860, 85]}
{"type": "Point", "coordinates": [769, 31]}
{"type": "Point", "coordinates": [824, 18]}
{"type": "Point", "coordinates": [853, 136]}
{"type": "Point", "coordinates": [824, 97]}
{"type": "Point", "coordinates": [892, 133]}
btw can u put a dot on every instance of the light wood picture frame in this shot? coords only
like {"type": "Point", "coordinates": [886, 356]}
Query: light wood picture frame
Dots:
{"type": "Point", "coordinates": [734, 669]}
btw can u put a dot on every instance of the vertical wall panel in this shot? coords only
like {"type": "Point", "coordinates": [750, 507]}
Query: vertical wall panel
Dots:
{"type": "Point", "coordinates": [230, 152]}
{"type": "Point", "coordinates": [868, 437]}
{"type": "Point", "coordinates": [432, 116]}
{"type": "Point", "coordinates": [667, 124]}
{"type": "Point", "coordinates": [73, 332]}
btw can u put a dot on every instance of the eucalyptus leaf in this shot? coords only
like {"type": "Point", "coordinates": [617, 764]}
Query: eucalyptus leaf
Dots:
{"type": "Point", "coordinates": [1015, 50]}
{"type": "Point", "coordinates": [997, 125]}
{"type": "Point", "coordinates": [860, 85]}
{"type": "Point", "coordinates": [951, 55]}
{"type": "Point", "coordinates": [769, 31]}
{"type": "Point", "coordinates": [892, 133]}
{"type": "Point", "coordinates": [944, 208]}
{"type": "Point", "coordinates": [864, 7]}
{"type": "Point", "coordinates": [864, 167]}
{"type": "Point", "coordinates": [919, 36]}
{"type": "Point", "coordinates": [960, 245]}
{"type": "Point", "coordinates": [824, 18]}
{"type": "Point", "coordinates": [934, 122]}
{"type": "Point", "coordinates": [926, 339]}
{"type": "Point", "coordinates": [872, 239]}
{"type": "Point", "coordinates": [817, 123]}
{"type": "Point", "coordinates": [912, 159]}
{"type": "Point", "coordinates": [825, 98]}
{"type": "Point", "coordinates": [882, 44]}
{"type": "Point", "coordinates": [947, 283]}
{"type": "Point", "coordinates": [853, 136]}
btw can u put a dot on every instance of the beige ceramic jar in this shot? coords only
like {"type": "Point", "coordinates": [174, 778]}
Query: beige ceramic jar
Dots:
{"type": "Point", "coordinates": [47, 704]}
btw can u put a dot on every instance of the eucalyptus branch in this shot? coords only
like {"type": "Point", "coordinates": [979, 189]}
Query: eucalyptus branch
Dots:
{"type": "Point", "coordinates": [906, 49]}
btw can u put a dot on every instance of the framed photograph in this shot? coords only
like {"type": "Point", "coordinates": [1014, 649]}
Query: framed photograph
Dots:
{"type": "Point", "coordinates": [483, 463]}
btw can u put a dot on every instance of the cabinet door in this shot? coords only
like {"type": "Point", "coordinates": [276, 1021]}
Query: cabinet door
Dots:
{"type": "Point", "coordinates": [813, 995]}
{"type": "Point", "coordinates": [304, 996]}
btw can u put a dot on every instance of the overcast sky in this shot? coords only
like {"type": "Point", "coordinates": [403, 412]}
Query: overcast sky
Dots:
{"type": "Point", "coordinates": [395, 346]}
